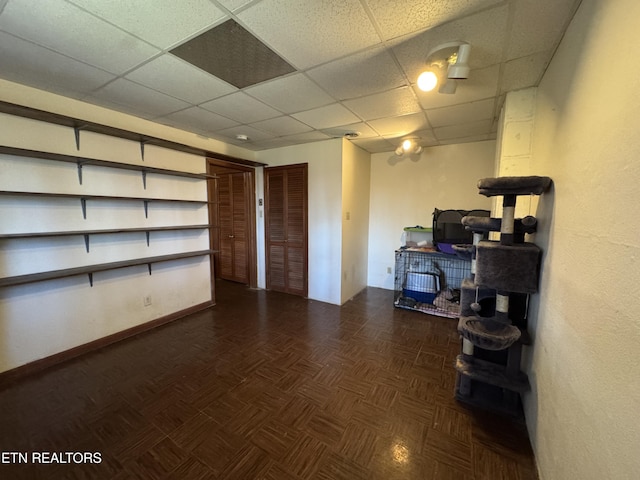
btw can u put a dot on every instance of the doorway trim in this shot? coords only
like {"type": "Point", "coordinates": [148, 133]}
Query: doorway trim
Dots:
{"type": "Point", "coordinates": [217, 164]}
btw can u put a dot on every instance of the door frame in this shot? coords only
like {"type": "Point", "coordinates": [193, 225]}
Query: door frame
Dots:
{"type": "Point", "coordinates": [217, 164]}
{"type": "Point", "coordinates": [305, 169]}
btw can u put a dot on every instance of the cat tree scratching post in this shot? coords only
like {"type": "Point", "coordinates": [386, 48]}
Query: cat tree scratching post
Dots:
{"type": "Point", "coordinates": [493, 301]}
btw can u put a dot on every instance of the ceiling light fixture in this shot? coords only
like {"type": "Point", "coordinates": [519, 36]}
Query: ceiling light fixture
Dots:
{"type": "Point", "coordinates": [409, 146]}
{"type": "Point", "coordinates": [446, 64]}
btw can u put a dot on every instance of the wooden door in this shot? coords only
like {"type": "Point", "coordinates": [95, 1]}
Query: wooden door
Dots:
{"type": "Point", "coordinates": [232, 212]}
{"type": "Point", "coordinates": [286, 228]}
{"type": "Point", "coordinates": [232, 218]}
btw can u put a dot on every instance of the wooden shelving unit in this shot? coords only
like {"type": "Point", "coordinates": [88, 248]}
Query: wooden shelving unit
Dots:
{"type": "Point", "coordinates": [87, 233]}
{"type": "Point", "coordinates": [80, 162]}
{"type": "Point", "coordinates": [84, 197]}
{"type": "Point", "coordinates": [91, 269]}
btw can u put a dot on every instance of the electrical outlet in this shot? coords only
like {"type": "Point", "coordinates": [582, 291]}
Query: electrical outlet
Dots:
{"type": "Point", "coordinates": [146, 300]}
{"type": "Point", "coordinates": [388, 269]}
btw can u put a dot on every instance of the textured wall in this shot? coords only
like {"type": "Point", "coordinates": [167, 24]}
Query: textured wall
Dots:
{"type": "Point", "coordinates": [41, 319]}
{"type": "Point", "coordinates": [405, 191]}
{"type": "Point", "coordinates": [582, 412]}
{"type": "Point", "coordinates": [356, 176]}
{"type": "Point", "coordinates": [324, 210]}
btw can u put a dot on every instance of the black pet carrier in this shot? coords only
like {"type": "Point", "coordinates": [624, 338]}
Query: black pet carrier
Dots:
{"type": "Point", "coordinates": [448, 229]}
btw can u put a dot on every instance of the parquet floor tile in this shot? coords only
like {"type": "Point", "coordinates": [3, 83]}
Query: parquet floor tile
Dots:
{"type": "Point", "coordinates": [266, 386]}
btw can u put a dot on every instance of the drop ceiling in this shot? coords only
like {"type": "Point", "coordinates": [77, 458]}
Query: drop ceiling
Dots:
{"type": "Point", "coordinates": [284, 72]}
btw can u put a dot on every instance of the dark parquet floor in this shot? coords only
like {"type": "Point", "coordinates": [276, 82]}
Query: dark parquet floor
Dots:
{"type": "Point", "coordinates": [265, 386]}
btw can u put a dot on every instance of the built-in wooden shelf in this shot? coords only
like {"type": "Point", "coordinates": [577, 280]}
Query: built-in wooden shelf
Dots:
{"type": "Point", "coordinates": [79, 125]}
{"type": "Point", "coordinates": [82, 161]}
{"type": "Point", "coordinates": [84, 197]}
{"type": "Point", "coordinates": [88, 233]}
{"type": "Point", "coordinates": [99, 197]}
{"type": "Point", "coordinates": [91, 269]}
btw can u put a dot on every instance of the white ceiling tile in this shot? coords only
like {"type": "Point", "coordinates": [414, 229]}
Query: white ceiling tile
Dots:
{"type": "Point", "coordinates": [374, 145]}
{"type": "Point", "coordinates": [484, 31]}
{"type": "Point", "coordinates": [426, 137]}
{"type": "Point", "coordinates": [282, 126]}
{"type": "Point", "coordinates": [308, 136]}
{"type": "Point", "coordinates": [312, 32]}
{"type": "Point", "coordinates": [291, 140]}
{"type": "Point", "coordinates": [399, 101]}
{"type": "Point", "coordinates": [234, 5]}
{"type": "Point", "coordinates": [469, 139]}
{"type": "Point", "coordinates": [173, 76]}
{"type": "Point", "coordinates": [399, 126]}
{"type": "Point", "coordinates": [254, 134]}
{"type": "Point", "coordinates": [524, 72]}
{"type": "Point", "coordinates": [133, 96]}
{"type": "Point", "coordinates": [197, 119]}
{"type": "Point", "coordinates": [483, 109]}
{"type": "Point", "coordinates": [482, 127]}
{"type": "Point", "coordinates": [352, 79]}
{"type": "Point", "coordinates": [364, 130]}
{"type": "Point", "coordinates": [71, 31]}
{"type": "Point", "coordinates": [290, 94]}
{"type": "Point", "coordinates": [278, 142]}
{"type": "Point", "coordinates": [23, 62]}
{"type": "Point", "coordinates": [241, 107]}
{"type": "Point", "coordinates": [481, 84]}
{"type": "Point", "coordinates": [413, 15]}
{"type": "Point", "coordinates": [538, 26]}
{"type": "Point", "coordinates": [163, 23]}
{"type": "Point", "coordinates": [326, 117]}
{"type": "Point", "coordinates": [360, 74]}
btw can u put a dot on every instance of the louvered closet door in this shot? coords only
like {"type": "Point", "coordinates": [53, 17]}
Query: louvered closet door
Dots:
{"type": "Point", "coordinates": [286, 228]}
{"type": "Point", "coordinates": [233, 236]}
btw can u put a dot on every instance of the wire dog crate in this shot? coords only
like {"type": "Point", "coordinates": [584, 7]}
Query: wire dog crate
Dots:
{"type": "Point", "coordinates": [429, 281]}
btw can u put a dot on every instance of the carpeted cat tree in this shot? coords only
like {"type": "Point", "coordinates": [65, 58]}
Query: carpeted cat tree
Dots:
{"type": "Point", "coordinates": [493, 302]}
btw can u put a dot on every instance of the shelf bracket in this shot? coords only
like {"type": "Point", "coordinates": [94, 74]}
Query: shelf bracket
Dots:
{"type": "Point", "coordinates": [149, 266]}
{"type": "Point", "coordinates": [146, 208]}
{"type": "Point", "coordinates": [147, 232]}
{"type": "Point", "coordinates": [76, 131]}
{"type": "Point", "coordinates": [144, 179]}
{"type": "Point", "coordinates": [90, 279]}
{"type": "Point", "coordinates": [80, 172]}
{"type": "Point", "coordinates": [83, 204]}
{"type": "Point", "coordinates": [86, 241]}
{"type": "Point", "coordinates": [142, 142]}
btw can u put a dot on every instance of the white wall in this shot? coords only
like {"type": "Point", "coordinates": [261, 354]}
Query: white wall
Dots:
{"type": "Point", "coordinates": [324, 161]}
{"type": "Point", "coordinates": [41, 319]}
{"type": "Point", "coordinates": [582, 412]}
{"type": "Point", "coordinates": [356, 176]}
{"type": "Point", "coordinates": [405, 191]}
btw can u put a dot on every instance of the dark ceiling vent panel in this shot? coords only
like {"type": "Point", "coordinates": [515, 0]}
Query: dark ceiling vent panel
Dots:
{"type": "Point", "coordinates": [234, 55]}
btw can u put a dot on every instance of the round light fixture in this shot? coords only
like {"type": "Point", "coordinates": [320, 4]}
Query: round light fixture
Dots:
{"type": "Point", "coordinates": [409, 146]}
{"type": "Point", "coordinates": [427, 81]}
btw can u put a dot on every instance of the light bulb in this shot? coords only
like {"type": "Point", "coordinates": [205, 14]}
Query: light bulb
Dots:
{"type": "Point", "coordinates": [406, 145]}
{"type": "Point", "coordinates": [427, 81]}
